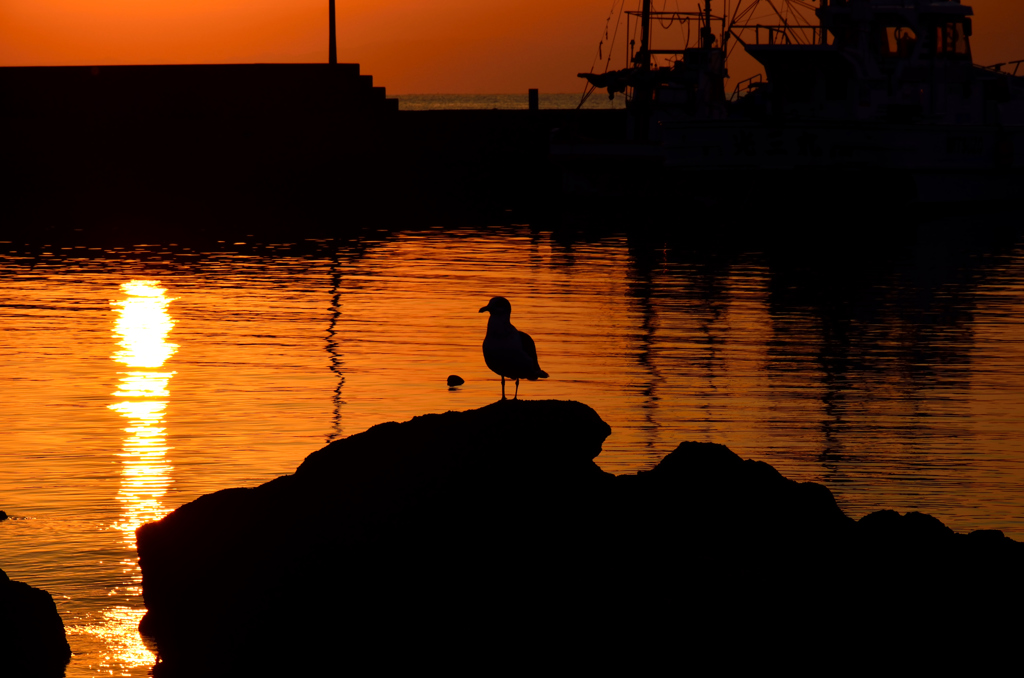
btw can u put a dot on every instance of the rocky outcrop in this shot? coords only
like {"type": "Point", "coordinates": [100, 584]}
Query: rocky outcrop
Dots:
{"type": "Point", "coordinates": [32, 640]}
{"type": "Point", "coordinates": [375, 535]}
{"type": "Point", "coordinates": [490, 537]}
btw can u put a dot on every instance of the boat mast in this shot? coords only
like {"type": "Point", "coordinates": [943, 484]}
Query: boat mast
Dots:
{"type": "Point", "coordinates": [821, 23]}
{"type": "Point", "coordinates": [643, 90]}
{"type": "Point", "coordinates": [332, 44]}
{"type": "Point", "coordinates": [644, 57]}
{"type": "Point", "coordinates": [707, 39]}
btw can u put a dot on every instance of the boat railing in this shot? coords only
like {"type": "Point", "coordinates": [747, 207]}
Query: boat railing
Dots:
{"type": "Point", "coordinates": [743, 87]}
{"type": "Point", "coordinates": [784, 34]}
{"type": "Point", "coordinates": [691, 25]}
{"type": "Point", "coordinates": [998, 68]}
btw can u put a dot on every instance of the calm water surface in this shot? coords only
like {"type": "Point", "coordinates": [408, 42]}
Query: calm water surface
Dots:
{"type": "Point", "coordinates": [448, 102]}
{"type": "Point", "coordinates": [136, 379]}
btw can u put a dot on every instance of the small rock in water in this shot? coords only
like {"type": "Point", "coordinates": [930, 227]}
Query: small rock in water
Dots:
{"type": "Point", "coordinates": [33, 641]}
{"type": "Point", "coordinates": [455, 380]}
{"type": "Point", "coordinates": [3, 516]}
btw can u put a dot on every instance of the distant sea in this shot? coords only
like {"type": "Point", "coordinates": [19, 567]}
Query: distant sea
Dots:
{"type": "Point", "coordinates": [449, 102]}
{"type": "Point", "coordinates": [136, 377]}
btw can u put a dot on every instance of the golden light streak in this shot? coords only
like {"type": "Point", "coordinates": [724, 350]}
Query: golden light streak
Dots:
{"type": "Point", "coordinates": [143, 324]}
{"type": "Point", "coordinates": [143, 385]}
{"type": "Point", "coordinates": [141, 328]}
{"type": "Point", "coordinates": [120, 633]}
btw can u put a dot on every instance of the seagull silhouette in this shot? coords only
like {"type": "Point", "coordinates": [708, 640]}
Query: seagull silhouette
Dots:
{"type": "Point", "coordinates": [507, 351]}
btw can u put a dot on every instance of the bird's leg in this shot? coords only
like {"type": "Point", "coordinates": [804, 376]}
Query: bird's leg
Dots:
{"type": "Point", "coordinates": [516, 396]}
{"type": "Point", "coordinates": [503, 387]}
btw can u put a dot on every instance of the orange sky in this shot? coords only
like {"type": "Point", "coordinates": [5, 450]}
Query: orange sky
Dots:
{"type": "Point", "coordinates": [409, 46]}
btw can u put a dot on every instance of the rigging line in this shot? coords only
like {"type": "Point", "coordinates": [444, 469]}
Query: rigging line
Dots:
{"type": "Point", "coordinates": [679, 11]}
{"type": "Point", "coordinates": [725, 16]}
{"type": "Point", "coordinates": [632, 41]}
{"type": "Point", "coordinates": [736, 13]}
{"type": "Point", "coordinates": [802, 19]}
{"type": "Point", "coordinates": [807, 7]}
{"type": "Point", "coordinates": [779, 14]}
{"type": "Point", "coordinates": [791, 13]}
{"type": "Point", "coordinates": [664, 8]}
{"type": "Point", "coordinates": [768, 14]}
{"type": "Point", "coordinates": [794, 14]}
{"type": "Point", "coordinates": [746, 15]}
{"type": "Point", "coordinates": [607, 21]}
{"type": "Point", "coordinates": [741, 14]}
{"type": "Point", "coordinates": [786, 20]}
{"type": "Point", "coordinates": [588, 89]}
{"type": "Point", "coordinates": [615, 34]}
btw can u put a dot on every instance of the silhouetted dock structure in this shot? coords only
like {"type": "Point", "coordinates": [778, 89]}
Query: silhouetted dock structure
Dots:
{"type": "Point", "coordinates": [188, 147]}
{"type": "Point", "coordinates": [190, 91]}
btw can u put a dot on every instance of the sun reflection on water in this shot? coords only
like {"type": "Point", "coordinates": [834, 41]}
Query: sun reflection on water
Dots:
{"type": "Point", "coordinates": [119, 631]}
{"type": "Point", "coordinates": [141, 328]}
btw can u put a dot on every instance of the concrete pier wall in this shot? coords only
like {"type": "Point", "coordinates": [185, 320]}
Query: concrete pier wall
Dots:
{"type": "Point", "coordinates": [191, 147]}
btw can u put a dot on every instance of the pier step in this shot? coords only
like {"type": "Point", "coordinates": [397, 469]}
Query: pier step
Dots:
{"type": "Point", "coordinates": [191, 91]}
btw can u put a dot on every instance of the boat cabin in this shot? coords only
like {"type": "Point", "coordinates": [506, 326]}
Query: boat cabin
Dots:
{"type": "Point", "coordinates": [893, 60]}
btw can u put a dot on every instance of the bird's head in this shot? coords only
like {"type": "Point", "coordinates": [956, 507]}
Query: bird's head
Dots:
{"type": "Point", "coordinates": [498, 306]}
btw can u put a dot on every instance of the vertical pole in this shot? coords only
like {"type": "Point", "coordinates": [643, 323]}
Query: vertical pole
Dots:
{"type": "Point", "coordinates": [821, 23]}
{"type": "Point", "coordinates": [708, 36]}
{"type": "Point", "coordinates": [534, 100]}
{"type": "Point", "coordinates": [332, 47]}
{"type": "Point", "coordinates": [645, 38]}
{"type": "Point", "coordinates": [643, 91]}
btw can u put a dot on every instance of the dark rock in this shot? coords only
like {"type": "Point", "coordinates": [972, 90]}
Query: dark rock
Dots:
{"type": "Point", "coordinates": [3, 516]}
{"type": "Point", "coordinates": [32, 640]}
{"type": "Point", "coordinates": [434, 537]}
{"type": "Point", "coordinates": [374, 535]}
{"type": "Point", "coordinates": [916, 528]}
{"type": "Point", "coordinates": [709, 482]}
{"type": "Point", "coordinates": [994, 537]}
{"type": "Point", "coordinates": [455, 380]}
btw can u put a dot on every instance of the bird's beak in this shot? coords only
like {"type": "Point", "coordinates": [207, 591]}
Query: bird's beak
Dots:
{"type": "Point", "coordinates": [485, 308]}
